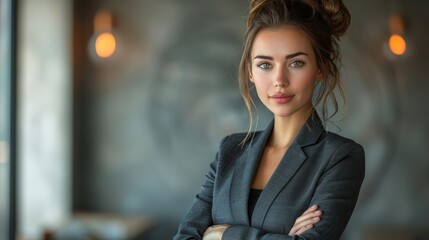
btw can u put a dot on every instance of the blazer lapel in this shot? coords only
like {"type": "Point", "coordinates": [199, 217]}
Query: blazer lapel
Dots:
{"type": "Point", "coordinates": [287, 168]}
{"type": "Point", "coordinates": [243, 174]}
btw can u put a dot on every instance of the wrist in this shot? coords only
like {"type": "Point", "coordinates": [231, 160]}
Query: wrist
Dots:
{"type": "Point", "coordinates": [215, 232]}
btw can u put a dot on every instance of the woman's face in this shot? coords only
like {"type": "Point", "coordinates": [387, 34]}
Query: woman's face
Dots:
{"type": "Point", "coordinates": [284, 70]}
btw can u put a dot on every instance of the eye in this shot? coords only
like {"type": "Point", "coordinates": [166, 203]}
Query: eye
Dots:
{"type": "Point", "coordinates": [264, 66]}
{"type": "Point", "coordinates": [297, 64]}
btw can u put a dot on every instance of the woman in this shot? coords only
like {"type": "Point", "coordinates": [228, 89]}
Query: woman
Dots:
{"type": "Point", "coordinates": [294, 180]}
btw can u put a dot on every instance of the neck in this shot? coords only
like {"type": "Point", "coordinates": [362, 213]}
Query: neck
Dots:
{"type": "Point", "coordinates": [286, 128]}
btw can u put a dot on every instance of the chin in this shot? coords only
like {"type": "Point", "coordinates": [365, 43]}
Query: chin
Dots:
{"type": "Point", "coordinates": [284, 113]}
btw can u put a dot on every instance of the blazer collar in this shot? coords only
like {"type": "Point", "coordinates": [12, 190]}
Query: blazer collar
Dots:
{"type": "Point", "coordinates": [247, 164]}
{"type": "Point", "coordinates": [311, 131]}
{"type": "Point", "coordinates": [244, 171]}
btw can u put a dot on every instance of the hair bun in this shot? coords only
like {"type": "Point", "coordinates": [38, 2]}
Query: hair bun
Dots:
{"type": "Point", "coordinates": [338, 15]}
{"type": "Point", "coordinates": [256, 6]}
{"type": "Point", "coordinates": [333, 11]}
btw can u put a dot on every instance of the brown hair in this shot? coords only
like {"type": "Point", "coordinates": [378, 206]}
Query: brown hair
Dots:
{"type": "Point", "coordinates": [322, 21]}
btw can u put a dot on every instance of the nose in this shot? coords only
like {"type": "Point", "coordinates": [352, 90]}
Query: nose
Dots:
{"type": "Point", "coordinates": [280, 84]}
{"type": "Point", "coordinates": [281, 79]}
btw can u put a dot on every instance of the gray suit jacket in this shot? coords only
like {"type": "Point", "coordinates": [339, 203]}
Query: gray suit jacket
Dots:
{"type": "Point", "coordinates": [318, 168]}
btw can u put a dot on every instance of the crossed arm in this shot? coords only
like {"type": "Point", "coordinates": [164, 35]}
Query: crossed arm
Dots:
{"type": "Point", "coordinates": [305, 222]}
{"type": "Point", "coordinates": [336, 196]}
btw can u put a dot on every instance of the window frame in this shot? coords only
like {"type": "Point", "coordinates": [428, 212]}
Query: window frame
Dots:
{"type": "Point", "coordinates": [9, 132]}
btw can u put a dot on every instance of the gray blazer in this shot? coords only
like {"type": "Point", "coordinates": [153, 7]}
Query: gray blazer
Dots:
{"type": "Point", "coordinates": [319, 167]}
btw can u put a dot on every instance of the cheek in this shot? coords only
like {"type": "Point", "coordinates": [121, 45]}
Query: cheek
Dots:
{"type": "Point", "coordinates": [306, 81]}
{"type": "Point", "coordinates": [261, 85]}
{"type": "Point", "coordinates": [260, 80]}
{"type": "Point", "coordinates": [254, 76]}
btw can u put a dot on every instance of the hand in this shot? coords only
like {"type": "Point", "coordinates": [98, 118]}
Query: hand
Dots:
{"type": "Point", "coordinates": [215, 232]}
{"type": "Point", "coordinates": [306, 221]}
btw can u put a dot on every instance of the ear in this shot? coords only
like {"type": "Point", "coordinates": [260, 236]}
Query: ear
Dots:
{"type": "Point", "coordinates": [249, 70]}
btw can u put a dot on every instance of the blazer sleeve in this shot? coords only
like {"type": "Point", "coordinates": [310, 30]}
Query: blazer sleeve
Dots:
{"type": "Point", "coordinates": [199, 217]}
{"type": "Point", "coordinates": [336, 194]}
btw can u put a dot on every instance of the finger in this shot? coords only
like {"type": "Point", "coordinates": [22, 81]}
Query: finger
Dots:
{"type": "Point", "coordinates": [303, 222]}
{"type": "Point", "coordinates": [296, 229]}
{"type": "Point", "coordinates": [306, 222]}
{"type": "Point", "coordinates": [311, 215]}
{"type": "Point", "coordinates": [303, 226]}
{"type": "Point", "coordinates": [307, 216]}
{"type": "Point", "coordinates": [311, 209]}
{"type": "Point", "coordinates": [303, 229]}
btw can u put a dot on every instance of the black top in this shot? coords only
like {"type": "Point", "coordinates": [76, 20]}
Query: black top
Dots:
{"type": "Point", "coordinates": [253, 198]}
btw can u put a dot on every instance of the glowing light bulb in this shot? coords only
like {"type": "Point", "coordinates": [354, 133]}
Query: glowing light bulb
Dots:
{"type": "Point", "coordinates": [105, 45]}
{"type": "Point", "coordinates": [397, 44]}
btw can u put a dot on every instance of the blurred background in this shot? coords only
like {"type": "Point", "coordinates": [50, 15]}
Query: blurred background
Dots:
{"type": "Point", "coordinates": [111, 111]}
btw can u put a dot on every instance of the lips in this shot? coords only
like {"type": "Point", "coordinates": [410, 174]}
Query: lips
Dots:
{"type": "Point", "coordinates": [281, 98]}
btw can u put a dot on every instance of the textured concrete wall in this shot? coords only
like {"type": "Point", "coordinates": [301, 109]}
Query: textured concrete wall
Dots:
{"type": "Point", "coordinates": [44, 111]}
{"type": "Point", "coordinates": [396, 191]}
{"type": "Point", "coordinates": [153, 115]}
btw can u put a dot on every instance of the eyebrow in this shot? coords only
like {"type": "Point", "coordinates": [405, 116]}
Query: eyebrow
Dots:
{"type": "Point", "coordinates": [287, 56]}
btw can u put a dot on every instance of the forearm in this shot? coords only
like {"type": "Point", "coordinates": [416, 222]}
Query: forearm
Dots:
{"type": "Point", "coordinates": [244, 232]}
